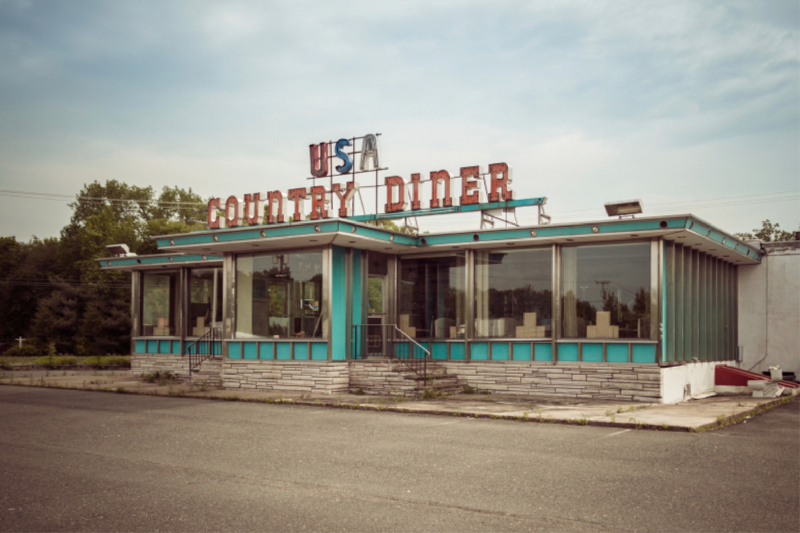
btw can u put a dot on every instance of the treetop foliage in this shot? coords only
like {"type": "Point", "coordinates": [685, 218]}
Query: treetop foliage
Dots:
{"type": "Point", "coordinates": [768, 232]}
{"type": "Point", "coordinates": [55, 291]}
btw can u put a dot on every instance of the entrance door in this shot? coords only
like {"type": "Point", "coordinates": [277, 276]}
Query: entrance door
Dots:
{"type": "Point", "coordinates": [376, 337]}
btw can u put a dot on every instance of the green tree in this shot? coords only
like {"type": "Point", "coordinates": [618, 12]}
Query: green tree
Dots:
{"type": "Point", "coordinates": [768, 232]}
{"type": "Point", "coordinates": [26, 270]}
{"type": "Point", "coordinates": [89, 310]}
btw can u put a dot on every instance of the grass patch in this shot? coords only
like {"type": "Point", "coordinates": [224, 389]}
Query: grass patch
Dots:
{"type": "Point", "coordinates": [162, 378]}
{"type": "Point", "coordinates": [57, 361]}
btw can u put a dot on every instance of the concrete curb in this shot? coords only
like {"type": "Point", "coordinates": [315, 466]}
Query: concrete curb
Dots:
{"type": "Point", "coordinates": [682, 415]}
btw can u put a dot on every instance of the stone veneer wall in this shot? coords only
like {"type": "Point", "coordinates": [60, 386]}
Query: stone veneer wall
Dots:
{"type": "Point", "coordinates": [290, 376]}
{"type": "Point", "coordinates": [149, 363]}
{"type": "Point", "coordinates": [379, 378]}
{"type": "Point", "coordinates": [613, 381]}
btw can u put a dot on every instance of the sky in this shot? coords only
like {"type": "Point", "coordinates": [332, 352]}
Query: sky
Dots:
{"type": "Point", "coordinates": [692, 107]}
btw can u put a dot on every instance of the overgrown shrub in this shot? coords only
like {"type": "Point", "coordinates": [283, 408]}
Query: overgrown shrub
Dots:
{"type": "Point", "coordinates": [31, 348]}
{"type": "Point", "coordinates": [107, 361]}
{"type": "Point", "coordinates": [57, 361]}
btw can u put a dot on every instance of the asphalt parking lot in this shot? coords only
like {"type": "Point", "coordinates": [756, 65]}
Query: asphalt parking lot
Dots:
{"type": "Point", "coordinates": [88, 461]}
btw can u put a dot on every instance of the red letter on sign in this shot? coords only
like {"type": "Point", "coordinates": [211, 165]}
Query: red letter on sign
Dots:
{"type": "Point", "coordinates": [273, 198]}
{"type": "Point", "coordinates": [392, 182]}
{"type": "Point", "coordinates": [500, 183]}
{"type": "Point", "coordinates": [213, 218]}
{"type": "Point", "coordinates": [345, 197]}
{"type": "Point", "coordinates": [297, 195]}
{"type": "Point", "coordinates": [415, 204]}
{"type": "Point", "coordinates": [436, 177]}
{"type": "Point", "coordinates": [253, 204]}
{"type": "Point", "coordinates": [468, 184]}
{"type": "Point", "coordinates": [318, 201]}
{"type": "Point", "coordinates": [233, 212]}
{"type": "Point", "coordinates": [319, 159]}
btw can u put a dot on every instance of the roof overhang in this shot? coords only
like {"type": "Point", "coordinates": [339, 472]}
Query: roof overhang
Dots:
{"type": "Point", "coordinates": [159, 261]}
{"type": "Point", "coordinates": [687, 230]}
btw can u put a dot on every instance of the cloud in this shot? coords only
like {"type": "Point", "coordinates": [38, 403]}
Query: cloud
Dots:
{"type": "Point", "coordinates": [586, 100]}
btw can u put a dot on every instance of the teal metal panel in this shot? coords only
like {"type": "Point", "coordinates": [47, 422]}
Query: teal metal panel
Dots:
{"type": "Point", "coordinates": [457, 351]}
{"type": "Point", "coordinates": [714, 236]}
{"type": "Point", "coordinates": [373, 233]}
{"type": "Point", "coordinates": [152, 346]}
{"type": "Point", "coordinates": [617, 353]}
{"type": "Point", "coordinates": [499, 351]}
{"type": "Point", "coordinates": [216, 348]}
{"type": "Point", "coordinates": [237, 236]}
{"type": "Point", "coordinates": [419, 354]}
{"type": "Point", "coordinates": [176, 347]}
{"type": "Point", "coordinates": [543, 352]}
{"type": "Point", "coordinates": [356, 287]}
{"type": "Point", "coordinates": [250, 350]}
{"type": "Point", "coordinates": [339, 304]}
{"type": "Point", "coordinates": [265, 350]}
{"type": "Point", "coordinates": [522, 351]}
{"type": "Point", "coordinates": [188, 239]}
{"type": "Point", "coordinates": [567, 352]}
{"type": "Point", "coordinates": [306, 229]}
{"type": "Point", "coordinates": [234, 350]}
{"type": "Point", "coordinates": [283, 351]}
{"type": "Point", "coordinates": [439, 350]}
{"type": "Point", "coordinates": [593, 352]}
{"type": "Point", "coordinates": [644, 353]}
{"type": "Point", "coordinates": [153, 260]}
{"type": "Point", "coordinates": [301, 351]}
{"type": "Point", "coordinates": [319, 351]}
{"type": "Point", "coordinates": [122, 262]}
{"type": "Point", "coordinates": [140, 347]}
{"type": "Point", "coordinates": [667, 302]}
{"type": "Point", "coordinates": [479, 351]}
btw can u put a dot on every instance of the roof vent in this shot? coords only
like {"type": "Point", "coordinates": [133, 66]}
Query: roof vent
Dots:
{"type": "Point", "coordinates": [120, 250]}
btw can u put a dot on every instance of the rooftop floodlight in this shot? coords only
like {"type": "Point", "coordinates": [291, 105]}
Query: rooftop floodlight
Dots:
{"type": "Point", "coordinates": [623, 209]}
{"type": "Point", "coordinates": [120, 250]}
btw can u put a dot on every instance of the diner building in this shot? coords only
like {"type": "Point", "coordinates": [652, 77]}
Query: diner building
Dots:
{"type": "Point", "coordinates": [270, 297]}
{"type": "Point", "coordinates": [637, 309]}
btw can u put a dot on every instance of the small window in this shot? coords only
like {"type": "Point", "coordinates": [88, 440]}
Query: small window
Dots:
{"type": "Point", "coordinates": [159, 301]}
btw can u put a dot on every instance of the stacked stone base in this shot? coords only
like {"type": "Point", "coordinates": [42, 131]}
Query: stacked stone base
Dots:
{"type": "Point", "coordinates": [382, 378]}
{"type": "Point", "coordinates": [607, 381]}
{"type": "Point", "coordinates": [602, 381]}
{"type": "Point", "coordinates": [286, 376]}
{"type": "Point", "coordinates": [159, 362]}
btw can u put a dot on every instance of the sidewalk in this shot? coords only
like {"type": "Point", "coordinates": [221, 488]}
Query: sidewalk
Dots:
{"type": "Point", "coordinates": [694, 415]}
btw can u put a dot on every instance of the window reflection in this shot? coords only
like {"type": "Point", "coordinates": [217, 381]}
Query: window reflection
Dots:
{"type": "Point", "coordinates": [159, 301]}
{"type": "Point", "coordinates": [279, 296]}
{"type": "Point", "coordinates": [606, 291]}
{"type": "Point", "coordinates": [205, 301]}
{"type": "Point", "coordinates": [513, 295]}
{"type": "Point", "coordinates": [432, 297]}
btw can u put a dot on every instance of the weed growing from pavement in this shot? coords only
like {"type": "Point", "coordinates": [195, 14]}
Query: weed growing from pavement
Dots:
{"type": "Point", "coordinates": [723, 421]}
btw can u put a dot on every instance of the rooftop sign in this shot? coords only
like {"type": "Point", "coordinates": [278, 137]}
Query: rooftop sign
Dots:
{"type": "Point", "coordinates": [439, 194]}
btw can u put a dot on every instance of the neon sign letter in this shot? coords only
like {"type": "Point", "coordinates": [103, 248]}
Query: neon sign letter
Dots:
{"type": "Point", "coordinates": [347, 164]}
{"type": "Point", "coordinates": [319, 159]}
{"type": "Point", "coordinates": [369, 151]}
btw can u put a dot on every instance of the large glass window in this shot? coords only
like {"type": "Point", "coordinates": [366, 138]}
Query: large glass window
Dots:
{"type": "Point", "coordinates": [606, 291]}
{"type": "Point", "coordinates": [513, 294]}
{"type": "Point", "coordinates": [205, 301]}
{"type": "Point", "coordinates": [159, 301]}
{"type": "Point", "coordinates": [279, 295]}
{"type": "Point", "coordinates": [432, 297]}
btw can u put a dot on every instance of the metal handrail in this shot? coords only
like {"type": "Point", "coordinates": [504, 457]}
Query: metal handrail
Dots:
{"type": "Point", "coordinates": [202, 348]}
{"type": "Point", "coordinates": [390, 343]}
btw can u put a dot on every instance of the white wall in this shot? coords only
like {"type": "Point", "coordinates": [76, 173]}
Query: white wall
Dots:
{"type": "Point", "coordinates": [700, 376]}
{"type": "Point", "coordinates": [769, 309]}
